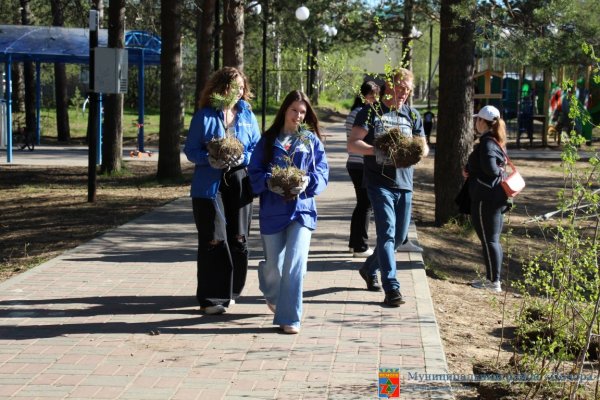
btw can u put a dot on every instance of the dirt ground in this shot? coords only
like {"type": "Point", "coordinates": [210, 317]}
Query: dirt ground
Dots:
{"type": "Point", "coordinates": [45, 209]}
{"type": "Point", "coordinates": [50, 210]}
{"type": "Point", "coordinates": [476, 326]}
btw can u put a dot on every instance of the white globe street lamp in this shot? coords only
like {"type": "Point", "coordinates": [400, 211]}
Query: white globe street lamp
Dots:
{"type": "Point", "coordinates": [329, 30]}
{"type": "Point", "coordinates": [302, 13]}
{"type": "Point", "coordinates": [415, 33]}
{"type": "Point", "coordinates": [256, 8]}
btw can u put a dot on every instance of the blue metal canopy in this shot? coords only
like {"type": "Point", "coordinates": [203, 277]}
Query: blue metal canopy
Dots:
{"type": "Point", "coordinates": [53, 44]}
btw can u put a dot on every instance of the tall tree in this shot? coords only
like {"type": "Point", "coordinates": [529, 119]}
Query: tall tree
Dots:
{"type": "Point", "coordinates": [18, 87]}
{"type": "Point", "coordinates": [29, 76]}
{"type": "Point", "coordinates": [60, 81]}
{"type": "Point", "coordinates": [171, 91]}
{"type": "Point", "coordinates": [10, 14]}
{"type": "Point", "coordinates": [455, 116]}
{"type": "Point", "coordinates": [205, 30]}
{"type": "Point", "coordinates": [407, 34]}
{"type": "Point", "coordinates": [233, 34]}
{"type": "Point", "coordinates": [112, 136]}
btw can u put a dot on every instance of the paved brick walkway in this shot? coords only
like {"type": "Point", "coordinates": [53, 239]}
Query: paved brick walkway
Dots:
{"type": "Point", "coordinates": [116, 318]}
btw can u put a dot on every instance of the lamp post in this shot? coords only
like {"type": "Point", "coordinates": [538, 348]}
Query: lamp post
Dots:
{"type": "Point", "coordinates": [264, 67]}
{"type": "Point", "coordinates": [302, 14]}
{"type": "Point", "coordinates": [93, 115]}
{"type": "Point", "coordinates": [429, 67]}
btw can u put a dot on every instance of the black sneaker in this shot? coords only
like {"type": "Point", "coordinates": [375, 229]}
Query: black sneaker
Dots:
{"type": "Point", "coordinates": [372, 282]}
{"type": "Point", "coordinates": [393, 298]}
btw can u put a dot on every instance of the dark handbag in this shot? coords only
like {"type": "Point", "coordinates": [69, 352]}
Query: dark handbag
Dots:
{"type": "Point", "coordinates": [463, 199]}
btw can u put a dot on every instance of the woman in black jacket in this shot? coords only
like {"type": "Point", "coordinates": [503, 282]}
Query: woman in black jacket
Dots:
{"type": "Point", "coordinates": [485, 169]}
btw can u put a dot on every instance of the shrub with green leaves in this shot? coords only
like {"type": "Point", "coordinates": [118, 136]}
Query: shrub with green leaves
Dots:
{"type": "Point", "coordinates": [558, 325]}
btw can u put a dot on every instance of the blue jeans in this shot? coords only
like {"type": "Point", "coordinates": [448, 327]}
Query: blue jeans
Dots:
{"type": "Point", "coordinates": [391, 209]}
{"type": "Point", "coordinates": [281, 275]}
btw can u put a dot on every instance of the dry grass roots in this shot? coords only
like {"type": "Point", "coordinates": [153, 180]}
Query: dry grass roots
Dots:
{"type": "Point", "coordinates": [225, 149]}
{"type": "Point", "coordinates": [403, 151]}
{"type": "Point", "coordinates": [287, 178]}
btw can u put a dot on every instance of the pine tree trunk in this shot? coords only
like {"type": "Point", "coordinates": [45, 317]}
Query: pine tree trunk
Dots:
{"type": "Point", "coordinates": [60, 82]}
{"type": "Point", "coordinates": [455, 117]}
{"type": "Point", "coordinates": [18, 87]}
{"type": "Point", "coordinates": [171, 92]}
{"type": "Point", "coordinates": [205, 31]}
{"type": "Point", "coordinates": [233, 34]}
{"type": "Point", "coordinates": [112, 135]}
{"type": "Point", "coordinates": [407, 34]}
{"type": "Point", "coordinates": [29, 77]}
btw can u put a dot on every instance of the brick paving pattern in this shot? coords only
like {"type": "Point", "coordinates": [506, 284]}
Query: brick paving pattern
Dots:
{"type": "Point", "coordinates": [116, 318]}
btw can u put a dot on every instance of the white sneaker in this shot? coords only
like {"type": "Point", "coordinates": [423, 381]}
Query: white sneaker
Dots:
{"type": "Point", "coordinates": [213, 310]}
{"type": "Point", "coordinates": [365, 253]}
{"type": "Point", "coordinates": [494, 286]}
{"type": "Point", "coordinates": [409, 247]}
{"type": "Point", "coordinates": [290, 329]}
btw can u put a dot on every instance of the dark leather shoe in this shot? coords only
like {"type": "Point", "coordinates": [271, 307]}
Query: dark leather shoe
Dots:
{"type": "Point", "coordinates": [371, 280]}
{"type": "Point", "coordinates": [393, 298]}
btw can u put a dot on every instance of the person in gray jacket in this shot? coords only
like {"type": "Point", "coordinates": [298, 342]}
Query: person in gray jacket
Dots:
{"type": "Point", "coordinates": [361, 216]}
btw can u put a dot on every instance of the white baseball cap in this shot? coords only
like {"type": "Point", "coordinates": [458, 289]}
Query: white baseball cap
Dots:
{"type": "Point", "coordinates": [489, 113]}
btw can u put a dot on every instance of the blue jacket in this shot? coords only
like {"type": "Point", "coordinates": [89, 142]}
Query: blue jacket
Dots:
{"type": "Point", "coordinates": [207, 124]}
{"type": "Point", "coordinates": [275, 212]}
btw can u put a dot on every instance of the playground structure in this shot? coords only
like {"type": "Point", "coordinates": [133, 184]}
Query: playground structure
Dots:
{"type": "Point", "coordinates": [508, 91]}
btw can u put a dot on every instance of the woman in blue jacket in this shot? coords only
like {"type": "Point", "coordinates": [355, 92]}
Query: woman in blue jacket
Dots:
{"type": "Point", "coordinates": [221, 193]}
{"type": "Point", "coordinates": [286, 224]}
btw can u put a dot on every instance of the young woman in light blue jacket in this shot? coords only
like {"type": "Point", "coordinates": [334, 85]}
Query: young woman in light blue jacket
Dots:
{"type": "Point", "coordinates": [221, 193]}
{"type": "Point", "coordinates": [287, 222]}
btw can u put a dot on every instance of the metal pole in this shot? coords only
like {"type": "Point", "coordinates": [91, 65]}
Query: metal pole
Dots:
{"type": "Point", "coordinates": [38, 96]}
{"type": "Point", "coordinates": [429, 73]}
{"type": "Point", "coordinates": [9, 131]}
{"type": "Point", "coordinates": [308, 82]}
{"type": "Point", "coordinates": [93, 114]}
{"type": "Point", "coordinates": [264, 64]}
{"type": "Point", "coordinates": [141, 103]}
{"type": "Point", "coordinates": [99, 119]}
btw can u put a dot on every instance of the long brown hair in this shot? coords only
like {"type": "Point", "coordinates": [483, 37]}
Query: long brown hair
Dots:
{"type": "Point", "coordinates": [498, 129]}
{"type": "Point", "coordinates": [310, 119]}
{"type": "Point", "coordinates": [220, 82]}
